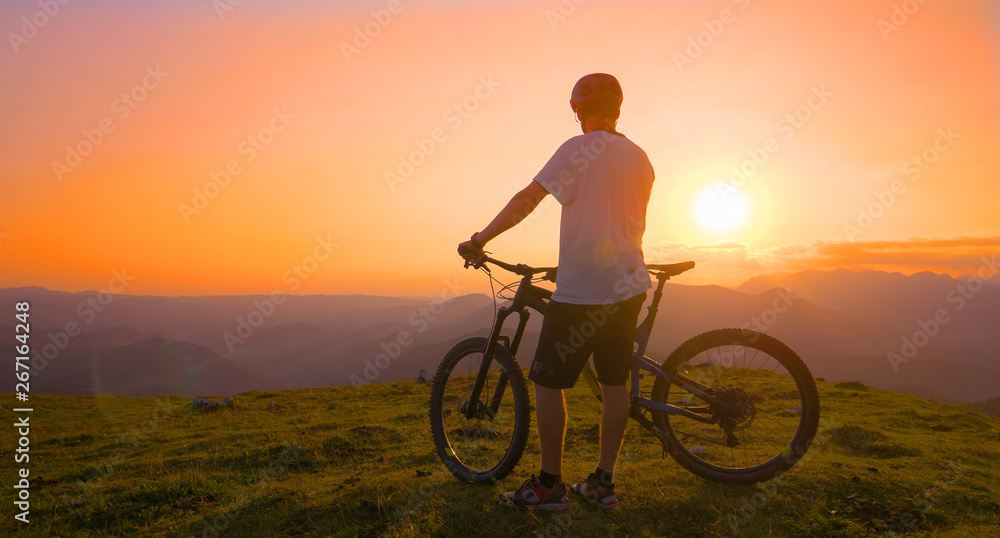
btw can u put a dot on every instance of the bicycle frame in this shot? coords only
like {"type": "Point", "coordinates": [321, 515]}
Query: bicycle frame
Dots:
{"type": "Point", "coordinates": [529, 296]}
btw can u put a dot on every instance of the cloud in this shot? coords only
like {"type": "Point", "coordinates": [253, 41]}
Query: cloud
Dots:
{"type": "Point", "coordinates": [957, 255]}
{"type": "Point", "coordinates": [951, 255]}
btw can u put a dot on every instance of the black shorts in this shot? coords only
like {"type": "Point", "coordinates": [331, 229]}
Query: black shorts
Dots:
{"type": "Point", "coordinates": [572, 332]}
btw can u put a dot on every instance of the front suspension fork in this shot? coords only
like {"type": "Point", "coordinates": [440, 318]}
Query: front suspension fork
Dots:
{"type": "Point", "coordinates": [471, 411]}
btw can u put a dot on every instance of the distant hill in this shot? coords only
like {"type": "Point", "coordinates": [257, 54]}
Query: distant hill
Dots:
{"type": "Point", "coordinates": [805, 326]}
{"type": "Point", "coordinates": [107, 338]}
{"type": "Point", "coordinates": [842, 323]}
{"type": "Point", "coordinates": [944, 381]}
{"type": "Point", "coordinates": [990, 407]}
{"type": "Point", "coordinates": [153, 367]}
{"type": "Point", "coordinates": [270, 343]}
{"type": "Point", "coordinates": [203, 320]}
{"type": "Point", "coordinates": [897, 303]}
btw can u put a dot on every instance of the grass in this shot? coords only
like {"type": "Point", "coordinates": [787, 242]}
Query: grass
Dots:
{"type": "Point", "coordinates": [346, 462]}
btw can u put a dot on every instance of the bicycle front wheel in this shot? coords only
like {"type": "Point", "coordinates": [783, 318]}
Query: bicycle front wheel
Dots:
{"type": "Point", "coordinates": [773, 406]}
{"type": "Point", "coordinates": [486, 447]}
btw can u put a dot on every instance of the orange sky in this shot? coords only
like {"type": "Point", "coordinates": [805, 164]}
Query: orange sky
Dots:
{"type": "Point", "coordinates": [322, 172]}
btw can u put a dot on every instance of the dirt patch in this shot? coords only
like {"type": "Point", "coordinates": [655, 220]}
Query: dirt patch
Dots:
{"type": "Point", "coordinates": [583, 436]}
{"type": "Point", "coordinates": [859, 441]}
{"type": "Point", "coordinates": [193, 502]}
{"type": "Point", "coordinates": [372, 431]}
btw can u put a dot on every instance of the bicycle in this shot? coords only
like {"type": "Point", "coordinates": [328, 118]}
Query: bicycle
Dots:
{"type": "Point", "coordinates": [701, 408]}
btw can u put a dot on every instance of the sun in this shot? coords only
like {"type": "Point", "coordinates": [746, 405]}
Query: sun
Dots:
{"type": "Point", "coordinates": [721, 208]}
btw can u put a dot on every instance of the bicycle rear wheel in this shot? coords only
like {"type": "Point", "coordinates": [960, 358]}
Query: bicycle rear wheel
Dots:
{"type": "Point", "coordinates": [485, 448]}
{"type": "Point", "coordinates": [775, 397]}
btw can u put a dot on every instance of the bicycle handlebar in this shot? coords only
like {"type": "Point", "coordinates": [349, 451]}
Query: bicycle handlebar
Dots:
{"type": "Point", "coordinates": [662, 271]}
{"type": "Point", "coordinates": [518, 269]}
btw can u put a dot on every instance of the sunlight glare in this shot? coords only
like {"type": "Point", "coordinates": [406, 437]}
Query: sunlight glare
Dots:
{"type": "Point", "coordinates": [721, 208]}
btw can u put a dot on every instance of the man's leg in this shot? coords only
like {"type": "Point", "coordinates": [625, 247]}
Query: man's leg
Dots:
{"type": "Point", "coordinates": [550, 411]}
{"type": "Point", "coordinates": [613, 359]}
{"type": "Point", "coordinates": [556, 364]}
{"type": "Point", "coordinates": [614, 417]}
{"type": "Point", "coordinates": [545, 491]}
{"type": "Point", "coordinates": [598, 488]}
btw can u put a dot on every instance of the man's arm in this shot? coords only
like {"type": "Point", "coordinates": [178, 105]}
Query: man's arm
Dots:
{"type": "Point", "coordinates": [519, 207]}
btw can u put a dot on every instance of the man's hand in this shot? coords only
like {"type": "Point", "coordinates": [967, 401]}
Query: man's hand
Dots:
{"type": "Point", "coordinates": [472, 254]}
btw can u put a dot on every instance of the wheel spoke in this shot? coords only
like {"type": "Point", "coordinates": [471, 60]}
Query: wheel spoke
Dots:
{"type": "Point", "coordinates": [755, 382]}
{"type": "Point", "coordinates": [479, 444]}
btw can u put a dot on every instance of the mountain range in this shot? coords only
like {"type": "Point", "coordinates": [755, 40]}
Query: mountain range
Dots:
{"type": "Point", "coordinates": [925, 334]}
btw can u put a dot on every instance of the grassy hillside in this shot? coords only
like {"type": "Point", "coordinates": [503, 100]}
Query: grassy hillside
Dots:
{"type": "Point", "coordinates": [347, 462]}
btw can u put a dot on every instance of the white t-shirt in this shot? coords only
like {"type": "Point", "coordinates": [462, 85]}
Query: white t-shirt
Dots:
{"type": "Point", "coordinates": [603, 182]}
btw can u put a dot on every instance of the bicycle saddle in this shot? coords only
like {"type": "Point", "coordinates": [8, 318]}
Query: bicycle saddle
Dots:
{"type": "Point", "coordinates": [670, 269]}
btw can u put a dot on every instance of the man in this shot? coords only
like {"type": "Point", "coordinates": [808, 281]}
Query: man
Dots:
{"type": "Point", "coordinates": [603, 181]}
